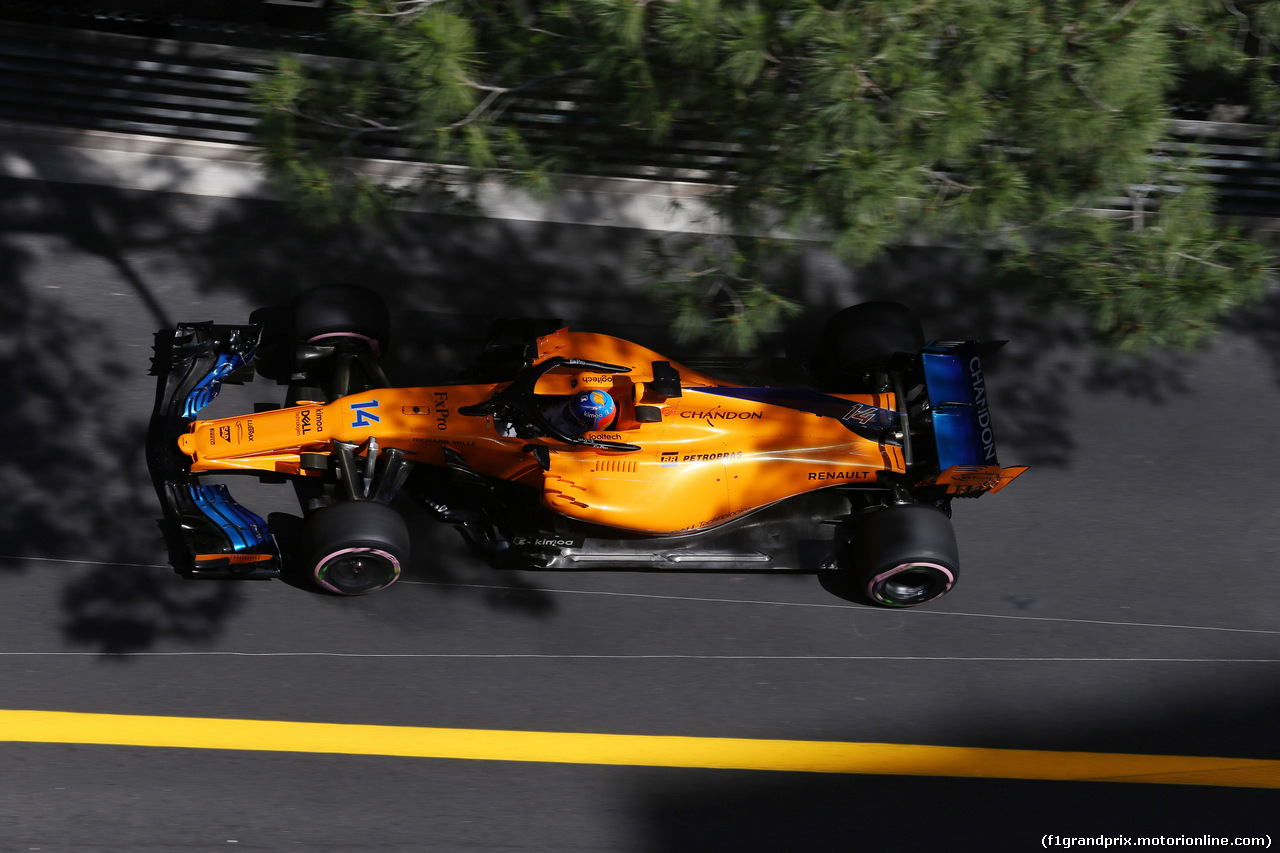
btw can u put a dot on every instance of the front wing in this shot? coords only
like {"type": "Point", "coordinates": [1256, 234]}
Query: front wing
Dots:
{"type": "Point", "coordinates": [207, 533]}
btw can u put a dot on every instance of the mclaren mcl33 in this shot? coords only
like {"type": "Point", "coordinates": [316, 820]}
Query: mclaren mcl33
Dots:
{"type": "Point", "coordinates": [846, 468]}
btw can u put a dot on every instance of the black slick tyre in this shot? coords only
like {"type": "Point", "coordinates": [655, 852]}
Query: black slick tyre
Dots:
{"type": "Point", "coordinates": [326, 314]}
{"type": "Point", "coordinates": [354, 547]}
{"type": "Point", "coordinates": [897, 557]}
{"type": "Point", "coordinates": [861, 339]}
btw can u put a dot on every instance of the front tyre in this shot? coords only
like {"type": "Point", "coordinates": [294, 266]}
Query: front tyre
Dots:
{"type": "Point", "coordinates": [331, 313]}
{"type": "Point", "coordinates": [355, 547]}
{"type": "Point", "coordinates": [900, 556]}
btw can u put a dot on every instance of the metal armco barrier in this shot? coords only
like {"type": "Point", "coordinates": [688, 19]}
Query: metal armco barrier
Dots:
{"type": "Point", "coordinates": [92, 80]}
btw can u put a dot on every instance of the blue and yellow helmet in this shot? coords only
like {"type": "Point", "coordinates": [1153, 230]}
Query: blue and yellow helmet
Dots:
{"type": "Point", "coordinates": [591, 410]}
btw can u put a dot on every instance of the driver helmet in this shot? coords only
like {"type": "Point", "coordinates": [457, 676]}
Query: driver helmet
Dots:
{"type": "Point", "coordinates": [589, 411]}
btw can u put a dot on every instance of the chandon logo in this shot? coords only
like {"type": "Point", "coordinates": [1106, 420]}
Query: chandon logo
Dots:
{"type": "Point", "coordinates": [980, 406]}
{"type": "Point", "coordinates": [724, 416]}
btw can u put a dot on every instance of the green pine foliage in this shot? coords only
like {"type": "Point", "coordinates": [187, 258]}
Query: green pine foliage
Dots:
{"type": "Point", "coordinates": [714, 289]}
{"type": "Point", "coordinates": [1152, 280]}
{"type": "Point", "coordinates": [864, 121]}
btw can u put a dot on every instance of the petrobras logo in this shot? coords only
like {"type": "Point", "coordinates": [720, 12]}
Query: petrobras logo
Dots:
{"type": "Point", "coordinates": [711, 457]}
{"type": "Point", "coordinates": [982, 412]}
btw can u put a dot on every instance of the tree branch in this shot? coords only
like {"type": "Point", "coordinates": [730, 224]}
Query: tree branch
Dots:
{"type": "Point", "coordinates": [1243, 30]}
{"type": "Point", "coordinates": [1139, 210]}
{"type": "Point", "coordinates": [868, 83]}
{"type": "Point", "coordinates": [494, 92]}
{"type": "Point", "coordinates": [1088, 93]}
{"type": "Point", "coordinates": [353, 131]}
{"type": "Point", "coordinates": [493, 95]}
{"type": "Point", "coordinates": [1193, 258]}
{"type": "Point", "coordinates": [943, 179]}
{"type": "Point", "coordinates": [407, 8]}
{"type": "Point", "coordinates": [1123, 13]}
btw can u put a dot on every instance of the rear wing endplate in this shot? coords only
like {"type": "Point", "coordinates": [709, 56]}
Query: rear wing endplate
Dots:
{"type": "Point", "coordinates": [967, 460]}
{"type": "Point", "coordinates": [958, 398]}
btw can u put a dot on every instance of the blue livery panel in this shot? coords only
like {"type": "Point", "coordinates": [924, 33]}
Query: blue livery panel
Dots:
{"type": "Point", "coordinates": [958, 396]}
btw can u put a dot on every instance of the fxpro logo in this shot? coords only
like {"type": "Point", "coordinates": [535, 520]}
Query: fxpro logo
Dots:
{"type": "Point", "coordinates": [980, 406]}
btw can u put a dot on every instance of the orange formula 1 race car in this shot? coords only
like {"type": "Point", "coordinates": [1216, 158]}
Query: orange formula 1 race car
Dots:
{"type": "Point", "coordinates": [569, 450]}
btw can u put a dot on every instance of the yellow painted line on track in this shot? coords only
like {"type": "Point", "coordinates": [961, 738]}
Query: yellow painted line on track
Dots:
{"type": "Point", "coordinates": [633, 750]}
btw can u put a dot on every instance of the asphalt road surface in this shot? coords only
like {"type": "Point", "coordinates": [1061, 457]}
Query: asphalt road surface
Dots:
{"type": "Point", "coordinates": [1121, 597]}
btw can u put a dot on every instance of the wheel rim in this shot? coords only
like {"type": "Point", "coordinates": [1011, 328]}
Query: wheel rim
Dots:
{"type": "Point", "coordinates": [908, 584]}
{"type": "Point", "coordinates": [356, 571]}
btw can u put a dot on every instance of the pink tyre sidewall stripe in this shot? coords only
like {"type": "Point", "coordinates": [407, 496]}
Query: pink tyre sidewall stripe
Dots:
{"type": "Point", "coordinates": [394, 562]}
{"type": "Point", "coordinates": [950, 575]}
{"type": "Point", "coordinates": [373, 343]}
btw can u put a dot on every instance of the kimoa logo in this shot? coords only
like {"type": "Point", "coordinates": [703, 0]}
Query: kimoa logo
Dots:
{"type": "Point", "coordinates": [980, 406]}
{"type": "Point", "coordinates": [547, 541]}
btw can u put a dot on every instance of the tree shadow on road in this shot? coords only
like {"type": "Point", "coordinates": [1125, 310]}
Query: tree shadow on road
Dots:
{"type": "Point", "coordinates": [770, 811]}
{"type": "Point", "coordinates": [1262, 325]}
{"type": "Point", "coordinates": [79, 491]}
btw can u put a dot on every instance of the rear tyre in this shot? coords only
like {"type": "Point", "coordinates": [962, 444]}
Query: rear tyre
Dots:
{"type": "Point", "coordinates": [862, 339]}
{"type": "Point", "coordinates": [327, 314]}
{"type": "Point", "coordinates": [355, 547]}
{"type": "Point", "coordinates": [897, 557]}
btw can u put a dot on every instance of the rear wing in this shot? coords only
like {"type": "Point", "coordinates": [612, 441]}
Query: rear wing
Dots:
{"type": "Point", "coordinates": [966, 445]}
